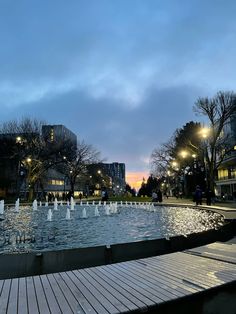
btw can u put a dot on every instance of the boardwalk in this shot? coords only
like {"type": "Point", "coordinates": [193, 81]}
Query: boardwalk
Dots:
{"type": "Point", "coordinates": [122, 287]}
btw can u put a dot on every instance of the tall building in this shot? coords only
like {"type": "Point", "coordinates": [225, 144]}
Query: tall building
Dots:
{"type": "Point", "coordinates": [59, 134]}
{"type": "Point", "coordinates": [226, 183]}
{"type": "Point", "coordinates": [116, 171]}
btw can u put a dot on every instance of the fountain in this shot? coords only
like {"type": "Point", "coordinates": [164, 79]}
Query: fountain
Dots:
{"type": "Point", "coordinates": [61, 203]}
{"type": "Point", "coordinates": [49, 215]}
{"type": "Point", "coordinates": [68, 203]}
{"type": "Point", "coordinates": [46, 204]}
{"type": "Point", "coordinates": [84, 214]}
{"type": "Point", "coordinates": [93, 203]}
{"type": "Point", "coordinates": [35, 205]}
{"type": "Point", "coordinates": [96, 212]}
{"type": "Point", "coordinates": [107, 210]}
{"type": "Point", "coordinates": [68, 214]}
{"type": "Point", "coordinates": [72, 204]}
{"type": "Point", "coordinates": [17, 205]}
{"type": "Point", "coordinates": [146, 222]}
{"type": "Point", "coordinates": [1, 207]}
{"type": "Point", "coordinates": [40, 203]}
{"type": "Point", "coordinates": [55, 204]}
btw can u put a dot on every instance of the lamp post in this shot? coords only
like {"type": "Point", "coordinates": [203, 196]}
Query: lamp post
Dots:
{"type": "Point", "coordinates": [204, 133]}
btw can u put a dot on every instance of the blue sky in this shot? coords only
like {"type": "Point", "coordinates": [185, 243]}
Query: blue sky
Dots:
{"type": "Point", "coordinates": [123, 75]}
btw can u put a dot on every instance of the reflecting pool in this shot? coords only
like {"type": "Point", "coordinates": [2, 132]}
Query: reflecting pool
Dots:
{"type": "Point", "coordinates": [92, 225]}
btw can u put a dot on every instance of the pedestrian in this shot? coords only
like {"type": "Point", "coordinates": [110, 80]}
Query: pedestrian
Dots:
{"type": "Point", "coordinates": [198, 195]}
{"type": "Point", "coordinates": [159, 196]}
{"type": "Point", "coordinates": [154, 196]}
{"type": "Point", "coordinates": [208, 197]}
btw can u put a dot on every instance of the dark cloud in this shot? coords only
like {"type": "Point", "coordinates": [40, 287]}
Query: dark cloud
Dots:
{"type": "Point", "coordinates": [123, 75]}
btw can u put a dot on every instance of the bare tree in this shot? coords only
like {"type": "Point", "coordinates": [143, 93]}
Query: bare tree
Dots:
{"type": "Point", "coordinates": [217, 145]}
{"type": "Point", "coordinates": [25, 148]}
{"type": "Point", "coordinates": [77, 167]}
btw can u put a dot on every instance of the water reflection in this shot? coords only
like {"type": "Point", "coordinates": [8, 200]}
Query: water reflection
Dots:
{"type": "Point", "coordinates": [29, 230]}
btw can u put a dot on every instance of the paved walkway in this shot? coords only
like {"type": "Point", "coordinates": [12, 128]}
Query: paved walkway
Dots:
{"type": "Point", "coordinates": [226, 209]}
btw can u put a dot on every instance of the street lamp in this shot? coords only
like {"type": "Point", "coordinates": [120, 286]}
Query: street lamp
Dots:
{"type": "Point", "coordinates": [184, 154]}
{"type": "Point", "coordinates": [204, 132]}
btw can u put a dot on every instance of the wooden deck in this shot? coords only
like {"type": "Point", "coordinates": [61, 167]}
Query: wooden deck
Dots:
{"type": "Point", "coordinates": [122, 287]}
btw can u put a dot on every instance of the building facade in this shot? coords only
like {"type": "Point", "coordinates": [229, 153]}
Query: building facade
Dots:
{"type": "Point", "coordinates": [226, 183]}
{"type": "Point", "coordinates": [116, 171]}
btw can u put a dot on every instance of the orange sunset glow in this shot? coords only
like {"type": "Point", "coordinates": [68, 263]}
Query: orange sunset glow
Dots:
{"type": "Point", "coordinates": [135, 179]}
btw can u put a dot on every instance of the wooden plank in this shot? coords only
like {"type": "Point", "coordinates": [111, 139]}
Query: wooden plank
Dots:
{"type": "Point", "coordinates": [51, 300]}
{"type": "Point", "coordinates": [122, 289]}
{"type": "Point", "coordinates": [191, 269]}
{"type": "Point", "coordinates": [87, 294]}
{"type": "Point", "coordinates": [94, 289]}
{"type": "Point", "coordinates": [228, 250]}
{"type": "Point", "coordinates": [31, 296]}
{"type": "Point", "coordinates": [120, 297]}
{"type": "Point", "coordinates": [22, 297]}
{"type": "Point", "coordinates": [13, 297]}
{"type": "Point", "coordinates": [207, 266]}
{"type": "Point", "coordinates": [41, 298]}
{"type": "Point", "coordinates": [61, 300]}
{"type": "Point", "coordinates": [5, 296]}
{"type": "Point", "coordinates": [120, 306]}
{"type": "Point", "coordinates": [76, 308]}
{"type": "Point", "coordinates": [180, 272]}
{"type": "Point", "coordinates": [170, 281]}
{"type": "Point", "coordinates": [152, 291]}
{"type": "Point", "coordinates": [86, 306]}
{"type": "Point", "coordinates": [155, 278]}
{"type": "Point", "coordinates": [136, 291]}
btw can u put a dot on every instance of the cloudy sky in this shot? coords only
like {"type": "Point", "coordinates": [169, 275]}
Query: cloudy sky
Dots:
{"type": "Point", "coordinates": [122, 74]}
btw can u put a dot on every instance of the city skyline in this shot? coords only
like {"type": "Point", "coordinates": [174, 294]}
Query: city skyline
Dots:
{"type": "Point", "coordinates": [121, 75]}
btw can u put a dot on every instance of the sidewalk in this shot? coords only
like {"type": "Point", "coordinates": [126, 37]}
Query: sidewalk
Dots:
{"type": "Point", "coordinates": [227, 209]}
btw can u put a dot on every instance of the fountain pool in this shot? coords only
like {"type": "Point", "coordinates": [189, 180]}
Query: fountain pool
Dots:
{"type": "Point", "coordinates": [33, 230]}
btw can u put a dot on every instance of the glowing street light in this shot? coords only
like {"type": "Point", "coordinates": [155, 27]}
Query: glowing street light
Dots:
{"type": "Point", "coordinates": [204, 132]}
{"type": "Point", "coordinates": [174, 164]}
{"type": "Point", "coordinates": [183, 153]}
{"type": "Point", "coordinates": [28, 159]}
{"type": "Point", "coordinates": [18, 139]}
{"type": "Point", "coordinates": [99, 172]}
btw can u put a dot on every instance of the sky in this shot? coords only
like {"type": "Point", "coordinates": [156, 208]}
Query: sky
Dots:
{"type": "Point", "coordinates": [122, 75]}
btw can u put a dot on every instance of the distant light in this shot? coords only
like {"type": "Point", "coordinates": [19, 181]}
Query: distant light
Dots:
{"type": "Point", "coordinates": [183, 153]}
{"type": "Point", "coordinates": [18, 139]}
{"type": "Point", "coordinates": [194, 155]}
{"type": "Point", "coordinates": [204, 132]}
{"type": "Point", "coordinates": [174, 164]}
{"type": "Point", "coordinates": [29, 159]}
{"type": "Point", "coordinates": [99, 171]}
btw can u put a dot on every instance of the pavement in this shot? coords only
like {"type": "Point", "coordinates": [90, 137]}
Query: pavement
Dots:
{"type": "Point", "coordinates": [227, 209]}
